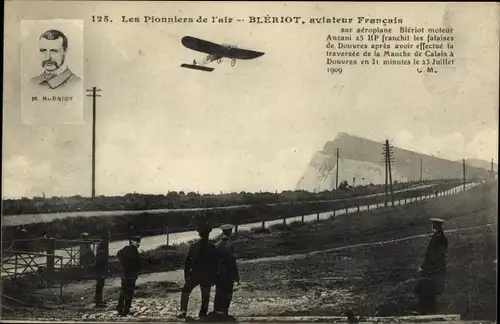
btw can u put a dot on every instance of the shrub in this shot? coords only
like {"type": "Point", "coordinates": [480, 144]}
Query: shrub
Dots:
{"type": "Point", "coordinates": [260, 230]}
{"type": "Point", "coordinates": [296, 224]}
{"type": "Point", "coordinates": [280, 227]}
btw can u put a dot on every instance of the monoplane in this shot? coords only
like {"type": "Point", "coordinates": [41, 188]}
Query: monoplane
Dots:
{"type": "Point", "coordinates": [216, 52]}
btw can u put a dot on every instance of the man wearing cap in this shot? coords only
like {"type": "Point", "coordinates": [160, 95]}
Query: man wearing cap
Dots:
{"type": "Point", "coordinates": [227, 272]}
{"type": "Point", "coordinates": [86, 257]}
{"type": "Point", "coordinates": [101, 267]}
{"type": "Point", "coordinates": [130, 261]}
{"type": "Point", "coordinates": [433, 269]}
{"type": "Point", "coordinates": [200, 269]}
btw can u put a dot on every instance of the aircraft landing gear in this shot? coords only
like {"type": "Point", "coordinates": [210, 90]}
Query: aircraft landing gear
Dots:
{"type": "Point", "coordinates": [233, 62]}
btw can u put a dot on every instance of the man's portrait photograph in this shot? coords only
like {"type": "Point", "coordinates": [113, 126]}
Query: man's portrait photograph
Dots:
{"type": "Point", "coordinates": [53, 46]}
{"type": "Point", "coordinates": [52, 71]}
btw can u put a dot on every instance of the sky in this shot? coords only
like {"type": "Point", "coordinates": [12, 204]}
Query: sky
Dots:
{"type": "Point", "coordinates": [251, 127]}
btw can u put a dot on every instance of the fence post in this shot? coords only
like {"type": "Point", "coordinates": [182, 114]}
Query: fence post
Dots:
{"type": "Point", "coordinates": [358, 209]}
{"type": "Point", "coordinates": [367, 207]}
{"type": "Point", "coordinates": [15, 265]}
{"type": "Point", "coordinates": [72, 260]}
{"type": "Point", "coordinates": [284, 222]}
{"type": "Point", "coordinates": [405, 200]}
{"type": "Point", "coordinates": [51, 249]}
{"type": "Point", "coordinates": [236, 228]}
{"type": "Point", "coordinates": [168, 235]}
{"type": "Point", "coordinates": [50, 254]}
{"type": "Point", "coordinates": [346, 210]}
{"type": "Point", "coordinates": [302, 218]}
{"type": "Point", "coordinates": [264, 224]}
{"type": "Point", "coordinates": [317, 216]}
{"type": "Point", "coordinates": [334, 213]}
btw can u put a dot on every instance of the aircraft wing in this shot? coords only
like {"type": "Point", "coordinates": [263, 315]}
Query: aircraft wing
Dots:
{"type": "Point", "coordinates": [201, 45]}
{"type": "Point", "coordinates": [204, 46]}
{"type": "Point", "coordinates": [241, 54]}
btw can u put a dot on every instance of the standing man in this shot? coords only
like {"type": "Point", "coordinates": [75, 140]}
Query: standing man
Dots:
{"type": "Point", "coordinates": [130, 261]}
{"type": "Point", "coordinates": [433, 269]}
{"type": "Point", "coordinates": [200, 269]}
{"type": "Point", "coordinates": [227, 272]}
{"type": "Point", "coordinates": [87, 257]}
{"type": "Point", "coordinates": [101, 268]}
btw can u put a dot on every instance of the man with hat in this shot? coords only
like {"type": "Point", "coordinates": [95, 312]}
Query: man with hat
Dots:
{"type": "Point", "coordinates": [200, 269]}
{"type": "Point", "coordinates": [227, 272]}
{"type": "Point", "coordinates": [433, 269]}
{"type": "Point", "coordinates": [87, 256]}
{"type": "Point", "coordinates": [101, 267]}
{"type": "Point", "coordinates": [130, 261]}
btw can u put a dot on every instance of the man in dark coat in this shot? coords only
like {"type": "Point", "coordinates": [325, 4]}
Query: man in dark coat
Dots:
{"type": "Point", "coordinates": [227, 273]}
{"type": "Point", "coordinates": [200, 269]}
{"type": "Point", "coordinates": [130, 261]}
{"type": "Point", "coordinates": [101, 268]}
{"type": "Point", "coordinates": [433, 270]}
{"type": "Point", "coordinates": [87, 257]}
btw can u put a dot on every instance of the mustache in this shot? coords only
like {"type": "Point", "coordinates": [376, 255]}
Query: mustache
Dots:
{"type": "Point", "coordinates": [49, 62]}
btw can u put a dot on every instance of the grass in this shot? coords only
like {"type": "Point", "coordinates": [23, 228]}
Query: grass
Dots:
{"type": "Point", "coordinates": [147, 224]}
{"type": "Point", "coordinates": [471, 280]}
{"type": "Point", "coordinates": [379, 279]}
{"type": "Point", "coordinates": [177, 200]}
{"type": "Point", "coordinates": [362, 227]}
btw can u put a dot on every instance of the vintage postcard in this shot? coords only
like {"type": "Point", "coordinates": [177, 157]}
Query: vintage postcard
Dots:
{"type": "Point", "coordinates": [240, 161]}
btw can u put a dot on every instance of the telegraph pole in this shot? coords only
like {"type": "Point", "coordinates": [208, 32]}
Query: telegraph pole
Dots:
{"type": "Point", "coordinates": [389, 161]}
{"type": "Point", "coordinates": [492, 170]}
{"type": "Point", "coordinates": [337, 175]}
{"type": "Point", "coordinates": [94, 94]}
{"type": "Point", "coordinates": [386, 185]}
{"type": "Point", "coordinates": [464, 171]}
{"type": "Point", "coordinates": [421, 173]}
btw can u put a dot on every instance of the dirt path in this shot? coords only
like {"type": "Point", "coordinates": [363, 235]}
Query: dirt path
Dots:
{"type": "Point", "coordinates": [177, 276]}
{"type": "Point", "coordinates": [319, 283]}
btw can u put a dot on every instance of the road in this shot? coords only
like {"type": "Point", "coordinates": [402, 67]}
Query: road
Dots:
{"type": "Point", "coordinates": [24, 219]}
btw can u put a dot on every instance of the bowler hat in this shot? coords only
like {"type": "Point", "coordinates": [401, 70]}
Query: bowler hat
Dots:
{"type": "Point", "coordinates": [204, 228]}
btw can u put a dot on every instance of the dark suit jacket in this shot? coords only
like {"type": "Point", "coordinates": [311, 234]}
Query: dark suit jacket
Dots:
{"type": "Point", "coordinates": [228, 267]}
{"type": "Point", "coordinates": [130, 261]}
{"type": "Point", "coordinates": [435, 256]}
{"type": "Point", "coordinates": [201, 262]}
{"type": "Point", "coordinates": [61, 80]}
